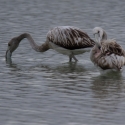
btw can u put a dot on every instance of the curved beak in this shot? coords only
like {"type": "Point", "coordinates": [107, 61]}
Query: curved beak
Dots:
{"type": "Point", "coordinates": [8, 54]}
{"type": "Point", "coordinates": [97, 38]}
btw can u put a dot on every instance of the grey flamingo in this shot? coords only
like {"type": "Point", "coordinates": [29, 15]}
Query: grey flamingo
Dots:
{"type": "Point", "coordinates": [67, 40]}
{"type": "Point", "coordinates": [106, 53]}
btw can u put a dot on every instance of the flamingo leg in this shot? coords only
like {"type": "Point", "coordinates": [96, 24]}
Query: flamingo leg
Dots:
{"type": "Point", "coordinates": [72, 56]}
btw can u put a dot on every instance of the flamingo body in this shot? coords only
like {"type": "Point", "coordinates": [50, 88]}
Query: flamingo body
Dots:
{"type": "Point", "coordinates": [107, 53]}
{"type": "Point", "coordinates": [67, 40]}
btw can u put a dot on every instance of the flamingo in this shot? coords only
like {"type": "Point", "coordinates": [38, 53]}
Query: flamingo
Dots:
{"type": "Point", "coordinates": [67, 40]}
{"type": "Point", "coordinates": [107, 53]}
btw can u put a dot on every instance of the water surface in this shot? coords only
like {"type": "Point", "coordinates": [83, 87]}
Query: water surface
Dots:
{"type": "Point", "coordinates": [44, 88]}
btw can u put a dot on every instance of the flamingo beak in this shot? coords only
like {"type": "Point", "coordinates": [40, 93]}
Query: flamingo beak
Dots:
{"type": "Point", "coordinates": [8, 54]}
{"type": "Point", "coordinates": [97, 38]}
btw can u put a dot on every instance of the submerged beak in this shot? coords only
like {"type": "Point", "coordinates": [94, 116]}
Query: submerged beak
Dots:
{"type": "Point", "coordinates": [8, 54]}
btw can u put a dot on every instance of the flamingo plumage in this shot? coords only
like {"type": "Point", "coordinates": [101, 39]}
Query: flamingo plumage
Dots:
{"type": "Point", "coordinates": [107, 53]}
{"type": "Point", "coordinates": [67, 40]}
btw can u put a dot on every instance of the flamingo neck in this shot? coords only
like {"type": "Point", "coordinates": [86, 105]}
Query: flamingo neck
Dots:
{"type": "Point", "coordinates": [104, 36]}
{"type": "Point", "coordinates": [44, 47]}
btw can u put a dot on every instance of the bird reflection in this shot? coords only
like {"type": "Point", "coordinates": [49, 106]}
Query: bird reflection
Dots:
{"type": "Point", "coordinates": [70, 67]}
{"type": "Point", "coordinates": [103, 84]}
{"type": "Point", "coordinates": [105, 92]}
{"type": "Point", "coordinates": [67, 67]}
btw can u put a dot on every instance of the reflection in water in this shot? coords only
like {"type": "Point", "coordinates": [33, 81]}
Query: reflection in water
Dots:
{"type": "Point", "coordinates": [107, 85]}
{"type": "Point", "coordinates": [105, 92]}
{"type": "Point", "coordinates": [70, 67]}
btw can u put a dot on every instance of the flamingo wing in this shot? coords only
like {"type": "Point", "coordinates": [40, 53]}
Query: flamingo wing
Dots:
{"type": "Point", "coordinates": [70, 38]}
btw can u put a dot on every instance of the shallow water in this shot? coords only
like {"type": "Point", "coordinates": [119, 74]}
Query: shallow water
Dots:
{"type": "Point", "coordinates": [44, 88]}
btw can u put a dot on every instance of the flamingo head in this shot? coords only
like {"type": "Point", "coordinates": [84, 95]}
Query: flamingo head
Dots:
{"type": "Point", "coordinates": [98, 33]}
{"type": "Point", "coordinates": [12, 46]}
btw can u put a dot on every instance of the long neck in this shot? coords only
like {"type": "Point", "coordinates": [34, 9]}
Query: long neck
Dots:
{"type": "Point", "coordinates": [44, 47]}
{"type": "Point", "coordinates": [104, 37]}
{"type": "Point", "coordinates": [95, 53]}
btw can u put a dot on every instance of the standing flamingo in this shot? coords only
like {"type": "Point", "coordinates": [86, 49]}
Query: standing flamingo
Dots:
{"type": "Point", "coordinates": [67, 40]}
{"type": "Point", "coordinates": [107, 53]}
